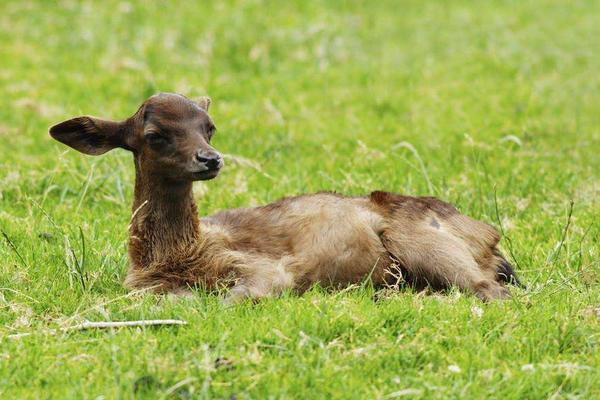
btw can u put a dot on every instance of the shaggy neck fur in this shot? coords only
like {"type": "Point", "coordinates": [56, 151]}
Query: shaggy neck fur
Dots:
{"type": "Point", "coordinates": [164, 221]}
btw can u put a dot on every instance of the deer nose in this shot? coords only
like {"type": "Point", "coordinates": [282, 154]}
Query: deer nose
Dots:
{"type": "Point", "coordinates": [211, 161]}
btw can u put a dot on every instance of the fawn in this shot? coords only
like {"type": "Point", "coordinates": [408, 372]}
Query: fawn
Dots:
{"type": "Point", "coordinates": [294, 243]}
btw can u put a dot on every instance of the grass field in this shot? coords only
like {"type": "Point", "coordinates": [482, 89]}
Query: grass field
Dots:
{"type": "Point", "coordinates": [466, 100]}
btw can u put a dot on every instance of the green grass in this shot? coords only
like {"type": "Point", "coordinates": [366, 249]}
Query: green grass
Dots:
{"type": "Point", "coordinates": [458, 99]}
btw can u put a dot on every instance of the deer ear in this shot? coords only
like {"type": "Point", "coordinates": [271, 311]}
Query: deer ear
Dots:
{"type": "Point", "coordinates": [90, 135]}
{"type": "Point", "coordinates": [203, 102]}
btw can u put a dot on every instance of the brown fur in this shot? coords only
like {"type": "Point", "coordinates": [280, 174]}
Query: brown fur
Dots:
{"type": "Point", "coordinates": [293, 243]}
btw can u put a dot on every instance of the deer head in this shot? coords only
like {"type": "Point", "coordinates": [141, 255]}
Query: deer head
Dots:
{"type": "Point", "coordinates": [169, 136]}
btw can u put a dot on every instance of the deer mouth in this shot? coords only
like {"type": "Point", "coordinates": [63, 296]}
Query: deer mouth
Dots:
{"type": "Point", "coordinates": [206, 174]}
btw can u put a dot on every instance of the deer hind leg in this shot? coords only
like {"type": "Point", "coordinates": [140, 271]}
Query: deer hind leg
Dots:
{"type": "Point", "coordinates": [434, 256]}
{"type": "Point", "coordinates": [482, 240]}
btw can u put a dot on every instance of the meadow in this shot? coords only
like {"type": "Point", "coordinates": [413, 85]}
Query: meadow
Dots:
{"type": "Point", "coordinates": [492, 106]}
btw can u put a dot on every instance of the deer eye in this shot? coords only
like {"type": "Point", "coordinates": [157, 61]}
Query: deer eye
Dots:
{"type": "Point", "coordinates": [211, 132]}
{"type": "Point", "coordinates": [156, 139]}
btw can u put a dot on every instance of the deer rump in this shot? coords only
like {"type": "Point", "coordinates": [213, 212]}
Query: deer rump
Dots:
{"type": "Point", "coordinates": [434, 245]}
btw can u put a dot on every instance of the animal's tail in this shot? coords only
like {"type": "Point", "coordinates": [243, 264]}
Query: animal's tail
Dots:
{"type": "Point", "coordinates": [506, 272]}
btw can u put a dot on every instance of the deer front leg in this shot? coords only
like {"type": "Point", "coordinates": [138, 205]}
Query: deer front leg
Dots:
{"type": "Point", "coordinates": [261, 277]}
{"type": "Point", "coordinates": [243, 291]}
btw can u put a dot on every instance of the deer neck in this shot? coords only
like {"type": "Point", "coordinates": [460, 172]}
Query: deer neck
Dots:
{"type": "Point", "coordinates": [164, 222]}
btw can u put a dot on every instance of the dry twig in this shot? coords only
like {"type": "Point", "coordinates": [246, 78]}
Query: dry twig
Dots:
{"type": "Point", "coordinates": [104, 325]}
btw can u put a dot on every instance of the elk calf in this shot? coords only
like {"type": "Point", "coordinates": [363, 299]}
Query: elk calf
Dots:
{"type": "Point", "coordinates": [293, 243]}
